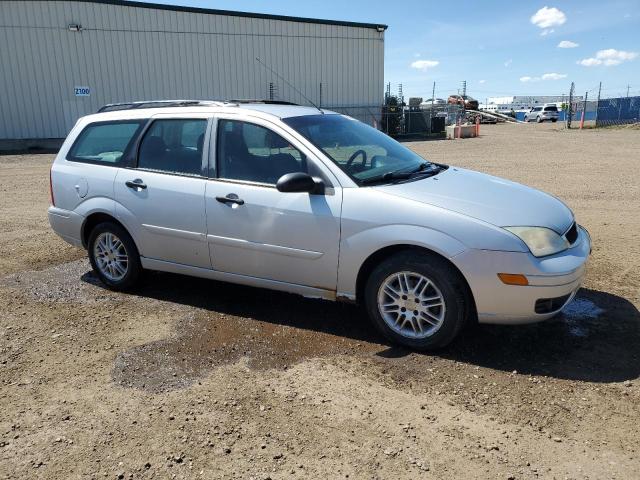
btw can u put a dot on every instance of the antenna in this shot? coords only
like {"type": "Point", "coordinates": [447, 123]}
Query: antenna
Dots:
{"type": "Point", "coordinates": [285, 81]}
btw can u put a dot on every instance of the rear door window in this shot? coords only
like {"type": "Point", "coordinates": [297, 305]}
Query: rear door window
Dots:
{"type": "Point", "coordinates": [104, 142]}
{"type": "Point", "coordinates": [551, 108]}
{"type": "Point", "coordinates": [174, 146]}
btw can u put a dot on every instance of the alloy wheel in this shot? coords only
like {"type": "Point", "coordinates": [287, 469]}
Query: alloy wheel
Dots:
{"type": "Point", "coordinates": [411, 304]}
{"type": "Point", "coordinates": [111, 256]}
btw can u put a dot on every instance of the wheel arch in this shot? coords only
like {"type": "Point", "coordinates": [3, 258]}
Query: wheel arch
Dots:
{"type": "Point", "coordinates": [97, 218]}
{"type": "Point", "coordinates": [384, 253]}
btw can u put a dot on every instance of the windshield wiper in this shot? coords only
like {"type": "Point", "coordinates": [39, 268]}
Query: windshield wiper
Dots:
{"type": "Point", "coordinates": [401, 174]}
{"type": "Point", "coordinates": [387, 177]}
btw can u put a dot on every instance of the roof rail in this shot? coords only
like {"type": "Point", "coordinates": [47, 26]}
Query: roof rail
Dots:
{"type": "Point", "coordinates": [112, 107]}
{"type": "Point", "coordinates": [266, 102]}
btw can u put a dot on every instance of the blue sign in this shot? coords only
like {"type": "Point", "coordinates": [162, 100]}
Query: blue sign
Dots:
{"type": "Point", "coordinates": [82, 91]}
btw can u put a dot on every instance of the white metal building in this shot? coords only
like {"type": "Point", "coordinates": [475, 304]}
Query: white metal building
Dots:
{"type": "Point", "coordinates": [520, 103]}
{"type": "Point", "coordinates": [63, 59]}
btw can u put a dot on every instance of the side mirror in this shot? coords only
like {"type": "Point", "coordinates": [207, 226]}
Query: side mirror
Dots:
{"type": "Point", "coordinates": [299, 182]}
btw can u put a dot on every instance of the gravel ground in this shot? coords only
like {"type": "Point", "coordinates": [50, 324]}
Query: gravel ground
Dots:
{"type": "Point", "coordinates": [196, 379]}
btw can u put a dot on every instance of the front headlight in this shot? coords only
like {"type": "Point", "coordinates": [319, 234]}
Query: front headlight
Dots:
{"type": "Point", "coordinates": [540, 241]}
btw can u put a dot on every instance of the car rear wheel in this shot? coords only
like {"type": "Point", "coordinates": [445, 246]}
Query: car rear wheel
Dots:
{"type": "Point", "coordinates": [539, 120]}
{"type": "Point", "coordinates": [416, 300]}
{"type": "Point", "coordinates": [113, 256]}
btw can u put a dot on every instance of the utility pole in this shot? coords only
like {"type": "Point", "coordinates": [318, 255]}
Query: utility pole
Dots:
{"type": "Point", "coordinates": [598, 102]}
{"type": "Point", "coordinates": [464, 88]}
{"type": "Point", "coordinates": [320, 102]}
{"type": "Point", "coordinates": [401, 104]}
{"type": "Point", "coordinates": [433, 94]}
{"type": "Point", "coordinates": [387, 96]}
{"type": "Point", "coordinates": [628, 90]}
{"type": "Point", "coordinates": [570, 109]}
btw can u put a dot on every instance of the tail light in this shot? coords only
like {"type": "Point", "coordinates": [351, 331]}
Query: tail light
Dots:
{"type": "Point", "coordinates": [51, 187]}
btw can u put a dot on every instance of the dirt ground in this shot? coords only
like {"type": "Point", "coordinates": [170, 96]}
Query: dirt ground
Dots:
{"type": "Point", "coordinates": [191, 378]}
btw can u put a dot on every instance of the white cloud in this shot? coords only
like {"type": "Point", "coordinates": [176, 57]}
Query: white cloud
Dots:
{"type": "Point", "coordinates": [548, 17]}
{"type": "Point", "coordinates": [546, 32]}
{"type": "Point", "coordinates": [553, 76]}
{"type": "Point", "coordinates": [546, 76]}
{"type": "Point", "coordinates": [416, 55]}
{"type": "Point", "coordinates": [568, 44]}
{"type": "Point", "coordinates": [424, 65]}
{"type": "Point", "coordinates": [481, 81]}
{"type": "Point", "coordinates": [609, 57]}
{"type": "Point", "coordinates": [589, 62]}
{"type": "Point", "coordinates": [508, 63]}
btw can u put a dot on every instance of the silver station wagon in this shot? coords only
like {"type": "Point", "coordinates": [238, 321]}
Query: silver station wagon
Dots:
{"type": "Point", "coordinates": [315, 203]}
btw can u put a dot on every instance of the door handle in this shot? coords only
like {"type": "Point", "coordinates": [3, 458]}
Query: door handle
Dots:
{"type": "Point", "coordinates": [135, 184]}
{"type": "Point", "coordinates": [231, 198]}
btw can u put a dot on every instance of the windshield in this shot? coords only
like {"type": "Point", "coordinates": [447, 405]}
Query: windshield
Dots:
{"type": "Point", "coordinates": [361, 151]}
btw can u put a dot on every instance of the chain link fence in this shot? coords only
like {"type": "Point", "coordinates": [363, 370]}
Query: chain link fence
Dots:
{"type": "Point", "coordinates": [605, 112]}
{"type": "Point", "coordinates": [618, 111]}
{"type": "Point", "coordinates": [399, 120]}
{"type": "Point", "coordinates": [582, 112]}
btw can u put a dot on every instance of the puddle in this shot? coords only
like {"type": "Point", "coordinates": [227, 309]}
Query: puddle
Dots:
{"type": "Point", "coordinates": [217, 324]}
{"type": "Point", "coordinates": [582, 308]}
{"type": "Point", "coordinates": [204, 341]}
{"type": "Point", "coordinates": [579, 315]}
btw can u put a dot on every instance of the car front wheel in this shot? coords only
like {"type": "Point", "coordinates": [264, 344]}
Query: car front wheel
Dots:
{"type": "Point", "coordinates": [416, 300]}
{"type": "Point", "coordinates": [113, 256]}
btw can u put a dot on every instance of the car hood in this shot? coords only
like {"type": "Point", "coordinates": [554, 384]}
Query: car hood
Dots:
{"type": "Point", "coordinates": [491, 199]}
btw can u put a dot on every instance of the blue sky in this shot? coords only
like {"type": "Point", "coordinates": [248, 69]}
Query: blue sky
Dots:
{"type": "Point", "coordinates": [501, 47]}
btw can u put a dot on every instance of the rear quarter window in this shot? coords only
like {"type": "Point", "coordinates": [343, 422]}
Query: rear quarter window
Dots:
{"type": "Point", "coordinates": [104, 142]}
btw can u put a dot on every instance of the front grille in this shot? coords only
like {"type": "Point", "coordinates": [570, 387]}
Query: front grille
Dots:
{"type": "Point", "coordinates": [548, 305]}
{"type": "Point", "coordinates": [572, 234]}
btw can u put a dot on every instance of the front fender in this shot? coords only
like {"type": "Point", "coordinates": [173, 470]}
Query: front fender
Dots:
{"type": "Point", "coordinates": [357, 248]}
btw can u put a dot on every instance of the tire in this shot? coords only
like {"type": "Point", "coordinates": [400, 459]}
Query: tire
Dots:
{"type": "Point", "coordinates": [554, 120]}
{"type": "Point", "coordinates": [444, 280]}
{"type": "Point", "coordinates": [539, 120]}
{"type": "Point", "coordinates": [115, 244]}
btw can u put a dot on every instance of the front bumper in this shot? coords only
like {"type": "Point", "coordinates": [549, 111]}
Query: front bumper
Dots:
{"type": "Point", "coordinates": [549, 277]}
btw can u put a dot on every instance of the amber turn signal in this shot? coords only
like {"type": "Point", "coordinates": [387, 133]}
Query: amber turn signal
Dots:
{"type": "Point", "coordinates": [513, 279]}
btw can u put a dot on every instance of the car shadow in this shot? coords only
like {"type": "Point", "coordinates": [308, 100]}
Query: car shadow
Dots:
{"type": "Point", "coordinates": [596, 340]}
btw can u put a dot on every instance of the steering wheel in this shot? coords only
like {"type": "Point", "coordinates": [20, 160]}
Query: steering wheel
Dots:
{"type": "Point", "coordinates": [354, 155]}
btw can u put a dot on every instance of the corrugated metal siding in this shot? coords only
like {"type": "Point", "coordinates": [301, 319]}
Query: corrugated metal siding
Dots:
{"type": "Point", "coordinates": [126, 53]}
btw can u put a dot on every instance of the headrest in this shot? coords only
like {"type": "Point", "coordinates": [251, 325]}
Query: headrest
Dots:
{"type": "Point", "coordinates": [155, 146]}
{"type": "Point", "coordinates": [275, 141]}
